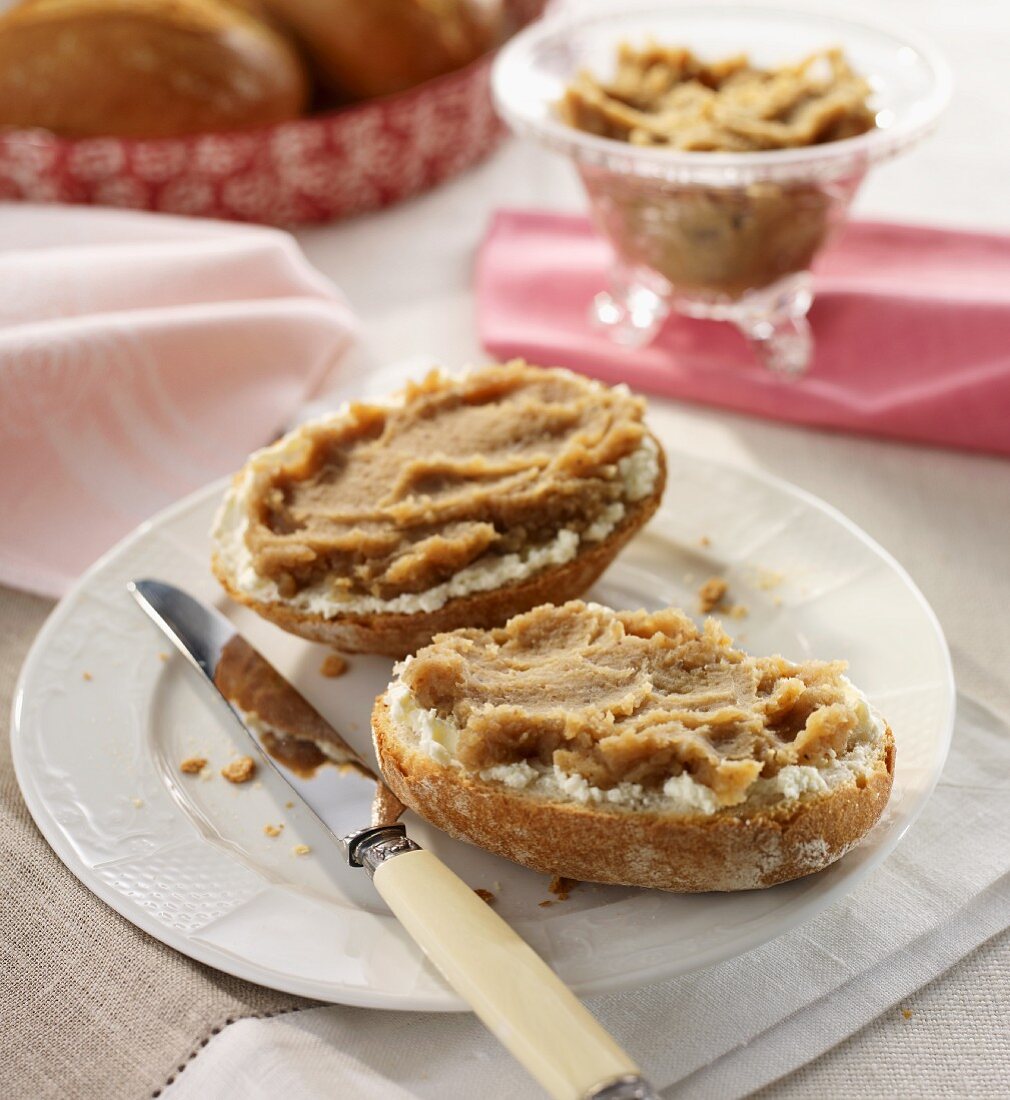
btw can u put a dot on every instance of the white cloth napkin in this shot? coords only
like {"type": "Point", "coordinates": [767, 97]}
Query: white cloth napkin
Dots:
{"type": "Point", "coordinates": [141, 356]}
{"type": "Point", "coordinates": [719, 1033]}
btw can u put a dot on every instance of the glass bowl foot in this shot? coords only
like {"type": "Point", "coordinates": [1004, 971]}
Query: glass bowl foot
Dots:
{"type": "Point", "coordinates": [630, 312]}
{"type": "Point", "coordinates": [775, 324]}
{"type": "Point", "coordinates": [773, 320]}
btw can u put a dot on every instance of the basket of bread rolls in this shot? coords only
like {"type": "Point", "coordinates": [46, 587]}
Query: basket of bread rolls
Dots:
{"type": "Point", "coordinates": [283, 112]}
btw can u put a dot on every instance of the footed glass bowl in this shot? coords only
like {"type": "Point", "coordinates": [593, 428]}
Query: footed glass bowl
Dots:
{"type": "Point", "coordinates": [727, 236]}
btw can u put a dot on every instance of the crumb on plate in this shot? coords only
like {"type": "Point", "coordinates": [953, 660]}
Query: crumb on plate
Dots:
{"type": "Point", "coordinates": [87, 676]}
{"type": "Point", "coordinates": [711, 594]}
{"type": "Point", "coordinates": [162, 656]}
{"type": "Point", "coordinates": [273, 830]}
{"type": "Point", "coordinates": [768, 578]}
{"type": "Point", "coordinates": [301, 849]}
{"type": "Point", "coordinates": [560, 888]}
{"type": "Point", "coordinates": [239, 770]}
{"type": "Point", "coordinates": [333, 666]}
{"type": "Point", "coordinates": [485, 895]}
{"type": "Point", "coordinates": [138, 802]}
{"type": "Point", "coordinates": [193, 765]}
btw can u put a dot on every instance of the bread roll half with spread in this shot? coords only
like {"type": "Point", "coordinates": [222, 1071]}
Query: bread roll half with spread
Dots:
{"type": "Point", "coordinates": [634, 748]}
{"type": "Point", "coordinates": [144, 68]}
{"type": "Point", "coordinates": [459, 502]}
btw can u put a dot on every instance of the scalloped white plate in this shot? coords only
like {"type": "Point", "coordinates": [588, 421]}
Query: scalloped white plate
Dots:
{"type": "Point", "coordinates": [101, 722]}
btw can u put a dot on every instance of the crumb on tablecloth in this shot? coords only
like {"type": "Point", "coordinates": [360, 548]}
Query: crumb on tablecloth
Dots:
{"type": "Point", "coordinates": [193, 765]}
{"type": "Point", "coordinates": [239, 770]}
{"type": "Point", "coordinates": [333, 665]}
{"type": "Point", "coordinates": [711, 594]}
{"type": "Point", "coordinates": [485, 895]}
{"type": "Point", "coordinates": [907, 1013]}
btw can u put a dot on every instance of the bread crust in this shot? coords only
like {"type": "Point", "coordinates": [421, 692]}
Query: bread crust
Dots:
{"type": "Point", "coordinates": [398, 634]}
{"type": "Point", "coordinates": [145, 68]}
{"type": "Point", "coordinates": [614, 844]}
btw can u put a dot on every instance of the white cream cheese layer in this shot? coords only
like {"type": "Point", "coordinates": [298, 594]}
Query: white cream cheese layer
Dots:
{"type": "Point", "coordinates": [638, 472]}
{"type": "Point", "coordinates": [680, 794]}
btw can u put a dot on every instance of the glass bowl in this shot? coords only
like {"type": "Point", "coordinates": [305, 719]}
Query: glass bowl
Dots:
{"type": "Point", "coordinates": [726, 236]}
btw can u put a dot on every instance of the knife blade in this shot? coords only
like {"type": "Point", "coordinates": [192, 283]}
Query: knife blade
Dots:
{"type": "Point", "coordinates": [517, 996]}
{"type": "Point", "coordinates": [252, 690]}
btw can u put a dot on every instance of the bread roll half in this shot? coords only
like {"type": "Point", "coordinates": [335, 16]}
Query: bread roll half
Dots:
{"type": "Point", "coordinates": [460, 502]}
{"type": "Point", "coordinates": [672, 799]}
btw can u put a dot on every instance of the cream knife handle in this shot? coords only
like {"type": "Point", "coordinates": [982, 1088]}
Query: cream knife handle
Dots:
{"type": "Point", "coordinates": [517, 995]}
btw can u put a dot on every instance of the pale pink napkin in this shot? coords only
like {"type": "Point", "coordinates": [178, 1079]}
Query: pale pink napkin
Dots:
{"type": "Point", "coordinates": [140, 357]}
{"type": "Point", "coordinates": [912, 327]}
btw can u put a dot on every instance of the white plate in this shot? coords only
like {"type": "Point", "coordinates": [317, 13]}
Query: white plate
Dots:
{"type": "Point", "coordinates": [101, 723]}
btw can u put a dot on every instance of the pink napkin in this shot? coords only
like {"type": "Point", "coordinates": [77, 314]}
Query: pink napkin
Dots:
{"type": "Point", "coordinates": [912, 327]}
{"type": "Point", "coordinates": [140, 357]}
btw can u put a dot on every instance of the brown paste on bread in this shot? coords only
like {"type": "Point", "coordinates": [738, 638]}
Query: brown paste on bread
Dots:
{"type": "Point", "coordinates": [395, 499]}
{"type": "Point", "coordinates": [665, 95]}
{"type": "Point", "coordinates": [631, 696]}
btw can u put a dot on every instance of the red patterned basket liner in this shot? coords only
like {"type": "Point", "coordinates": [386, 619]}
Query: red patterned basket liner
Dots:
{"type": "Point", "coordinates": [313, 169]}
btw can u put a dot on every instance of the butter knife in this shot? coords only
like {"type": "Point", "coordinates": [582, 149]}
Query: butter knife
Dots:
{"type": "Point", "coordinates": [513, 991]}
